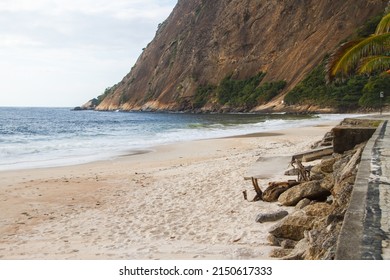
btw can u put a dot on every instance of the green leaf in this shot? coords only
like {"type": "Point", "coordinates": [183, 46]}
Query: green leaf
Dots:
{"type": "Point", "coordinates": [374, 63]}
{"type": "Point", "coordinates": [384, 25]}
{"type": "Point", "coordinates": [346, 59]}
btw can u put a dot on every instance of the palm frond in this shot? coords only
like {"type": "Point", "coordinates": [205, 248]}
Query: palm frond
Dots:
{"type": "Point", "coordinates": [346, 58]}
{"type": "Point", "coordinates": [335, 57]}
{"type": "Point", "coordinates": [374, 63]}
{"type": "Point", "coordinates": [384, 25]}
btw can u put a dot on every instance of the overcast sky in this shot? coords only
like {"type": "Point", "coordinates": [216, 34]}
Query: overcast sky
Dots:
{"type": "Point", "coordinates": [65, 52]}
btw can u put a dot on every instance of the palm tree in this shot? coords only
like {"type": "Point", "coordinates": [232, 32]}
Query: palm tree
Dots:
{"type": "Point", "coordinates": [363, 56]}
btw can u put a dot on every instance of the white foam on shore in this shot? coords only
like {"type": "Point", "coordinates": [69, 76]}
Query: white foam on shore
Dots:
{"type": "Point", "coordinates": [79, 150]}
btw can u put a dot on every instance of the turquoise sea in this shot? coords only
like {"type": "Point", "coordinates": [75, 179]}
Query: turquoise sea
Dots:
{"type": "Point", "coordinates": [43, 137]}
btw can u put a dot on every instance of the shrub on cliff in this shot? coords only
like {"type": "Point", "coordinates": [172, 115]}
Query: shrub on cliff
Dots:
{"type": "Point", "coordinates": [202, 95]}
{"type": "Point", "coordinates": [353, 93]}
{"type": "Point", "coordinates": [107, 92]}
{"type": "Point", "coordinates": [372, 89]}
{"type": "Point", "coordinates": [355, 89]}
{"type": "Point", "coordinates": [239, 93]}
{"type": "Point", "coordinates": [245, 94]}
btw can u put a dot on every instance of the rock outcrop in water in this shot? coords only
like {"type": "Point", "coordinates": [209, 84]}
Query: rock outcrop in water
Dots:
{"type": "Point", "coordinates": [204, 41]}
{"type": "Point", "coordinates": [90, 105]}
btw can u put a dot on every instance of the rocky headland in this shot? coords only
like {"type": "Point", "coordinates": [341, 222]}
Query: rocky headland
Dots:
{"type": "Point", "coordinates": [203, 42]}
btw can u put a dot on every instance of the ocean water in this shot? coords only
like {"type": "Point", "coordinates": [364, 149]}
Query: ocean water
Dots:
{"type": "Point", "coordinates": [43, 137]}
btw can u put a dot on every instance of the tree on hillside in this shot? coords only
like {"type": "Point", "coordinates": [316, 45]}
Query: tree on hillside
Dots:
{"type": "Point", "coordinates": [366, 55]}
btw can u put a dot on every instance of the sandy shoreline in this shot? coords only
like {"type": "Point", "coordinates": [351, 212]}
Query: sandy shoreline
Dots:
{"type": "Point", "coordinates": [180, 201]}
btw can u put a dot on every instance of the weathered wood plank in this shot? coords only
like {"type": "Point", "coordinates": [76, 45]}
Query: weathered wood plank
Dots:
{"type": "Point", "coordinates": [313, 154]}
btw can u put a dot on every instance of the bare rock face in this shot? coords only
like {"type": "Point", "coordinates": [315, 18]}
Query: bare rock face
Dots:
{"type": "Point", "coordinates": [203, 41]}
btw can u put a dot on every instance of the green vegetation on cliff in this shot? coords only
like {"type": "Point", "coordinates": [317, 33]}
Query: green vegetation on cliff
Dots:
{"type": "Point", "coordinates": [358, 91]}
{"type": "Point", "coordinates": [107, 92]}
{"type": "Point", "coordinates": [202, 95]}
{"type": "Point", "coordinates": [353, 89]}
{"type": "Point", "coordinates": [245, 94]}
{"type": "Point", "coordinates": [371, 90]}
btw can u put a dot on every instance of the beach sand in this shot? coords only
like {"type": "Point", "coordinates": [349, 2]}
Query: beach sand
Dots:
{"type": "Point", "coordinates": [179, 201]}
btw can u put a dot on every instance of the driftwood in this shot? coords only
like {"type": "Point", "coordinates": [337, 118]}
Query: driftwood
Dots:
{"type": "Point", "coordinates": [303, 173]}
{"type": "Point", "coordinates": [275, 189]}
{"type": "Point", "coordinates": [259, 193]}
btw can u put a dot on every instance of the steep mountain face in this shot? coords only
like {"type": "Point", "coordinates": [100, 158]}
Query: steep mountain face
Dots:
{"type": "Point", "coordinates": [203, 41]}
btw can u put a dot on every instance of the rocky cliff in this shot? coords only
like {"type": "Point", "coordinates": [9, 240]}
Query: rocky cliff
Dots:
{"type": "Point", "coordinates": [203, 41]}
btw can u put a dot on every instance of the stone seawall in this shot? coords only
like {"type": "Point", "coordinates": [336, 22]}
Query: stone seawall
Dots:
{"type": "Point", "coordinates": [365, 231]}
{"type": "Point", "coordinates": [341, 202]}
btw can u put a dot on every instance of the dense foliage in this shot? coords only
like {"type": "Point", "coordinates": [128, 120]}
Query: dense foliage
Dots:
{"type": "Point", "coordinates": [202, 95]}
{"type": "Point", "coordinates": [373, 88]}
{"type": "Point", "coordinates": [350, 94]}
{"type": "Point", "coordinates": [244, 94]}
{"type": "Point", "coordinates": [356, 91]}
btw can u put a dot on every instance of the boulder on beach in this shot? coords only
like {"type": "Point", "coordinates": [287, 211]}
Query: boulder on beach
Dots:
{"type": "Point", "coordinates": [274, 190]}
{"type": "Point", "coordinates": [302, 204]}
{"type": "Point", "coordinates": [271, 217]}
{"type": "Point", "coordinates": [311, 190]}
{"type": "Point", "coordinates": [320, 209]}
{"type": "Point", "coordinates": [292, 226]}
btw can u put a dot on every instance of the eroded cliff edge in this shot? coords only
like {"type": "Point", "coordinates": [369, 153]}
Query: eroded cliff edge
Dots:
{"type": "Point", "coordinates": [204, 41]}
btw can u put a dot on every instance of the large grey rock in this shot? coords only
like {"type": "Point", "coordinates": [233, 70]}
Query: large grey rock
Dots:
{"type": "Point", "coordinates": [292, 226]}
{"type": "Point", "coordinates": [273, 241]}
{"type": "Point", "coordinates": [328, 182]}
{"type": "Point", "coordinates": [288, 244]}
{"type": "Point", "coordinates": [280, 253]}
{"type": "Point", "coordinates": [326, 166]}
{"type": "Point", "coordinates": [311, 190]}
{"type": "Point", "coordinates": [302, 204]}
{"type": "Point", "coordinates": [299, 251]}
{"type": "Point", "coordinates": [271, 217]}
{"type": "Point", "coordinates": [320, 209]}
